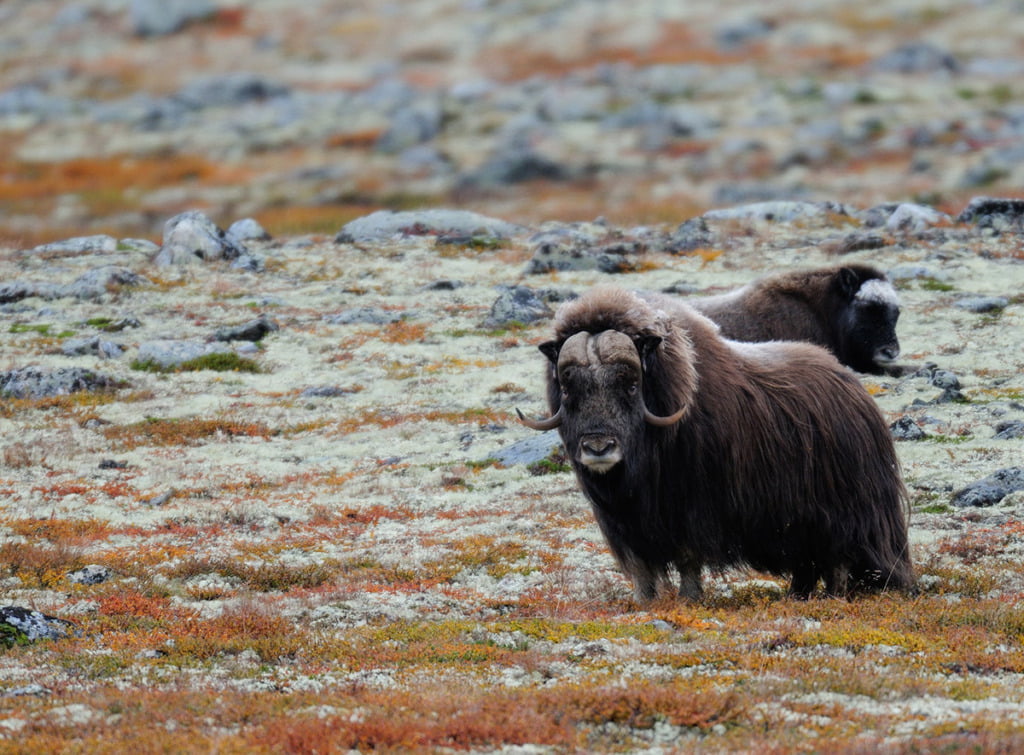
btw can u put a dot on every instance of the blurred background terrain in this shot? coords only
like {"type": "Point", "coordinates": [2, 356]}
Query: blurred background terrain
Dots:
{"type": "Point", "coordinates": [117, 114]}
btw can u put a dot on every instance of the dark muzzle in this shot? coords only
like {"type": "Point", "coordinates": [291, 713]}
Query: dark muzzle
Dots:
{"type": "Point", "coordinates": [599, 452]}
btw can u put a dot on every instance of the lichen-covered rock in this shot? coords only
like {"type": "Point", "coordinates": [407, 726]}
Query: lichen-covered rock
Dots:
{"type": "Point", "coordinates": [20, 625]}
{"type": "Point", "coordinates": [386, 224]}
{"type": "Point", "coordinates": [517, 304]}
{"type": "Point", "coordinates": [92, 346]}
{"type": "Point", "coordinates": [990, 490]}
{"type": "Point", "coordinates": [191, 237]}
{"type": "Point", "coordinates": [37, 382]}
{"type": "Point", "coordinates": [97, 244]}
{"type": "Point", "coordinates": [905, 428]}
{"type": "Point", "coordinates": [780, 211]}
{"type": "Point", "coordinates": [254, 330]}
{"type": "Point", "coordinates": [167, 354]}
{"type": "Point", "coordinates": [996, 214]}
{"type": "Point", "coordinates": [150, 18]}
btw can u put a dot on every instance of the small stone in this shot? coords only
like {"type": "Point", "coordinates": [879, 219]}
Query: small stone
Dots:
{"type": "Point", "coordinates": [150, 18]}
{"type": "Point", "coordinates": [982, 304]}
{"type": "Point", "coordinates": [37, 382]}
{"type": "Point", "coordinates": [914, 218]}
{"type": "Point", "coordinates": [30, 625]}
{"type": "Point", "coordinates": [79, 245]}
{"type": "Point", "coordinates": [905, 428]}
{"type": "Point", "coordinates": [167, 354]}
{"type": "Point", "coordinates": [247, 229]}
{"type": "Point", "coordinates": [364, 315]}
{"type": "Point", "coordinates": [254, 330]}
{"type": "Point", "coordinates": [93, 574]}
{"type": "Point", "coordinates": [192, 237]}
{"type": "Point", "coordinates": [917, 57]}
{"type": "Point", "coordinates": [1010, 430]}
{"type": "Point", "coordinates": [997, 214]}
{"type": "Point", "coordinates": [529, 450]}
{"type": "Point", "coordinates": [517, 304]}
{"type": "Point", "coordinates": [990, 490]}
{"type": "Point", "coordinates": [385, 224]}
{"type": "Point", "coordinates": [92, 346]}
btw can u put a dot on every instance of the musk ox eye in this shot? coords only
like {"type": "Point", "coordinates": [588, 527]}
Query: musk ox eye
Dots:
{"type": "Point", "coordinates": [633, 388]}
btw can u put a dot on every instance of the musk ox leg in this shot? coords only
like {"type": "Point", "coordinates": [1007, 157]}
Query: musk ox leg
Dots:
{"type": "Point", "coordinates": [690, 587]}
{"type": "Point", "coordinates": [805, 579]}
{"type": "Point", "coordinates": [837, 582]}
{"type": "Point", "coordinates": [644, 578]}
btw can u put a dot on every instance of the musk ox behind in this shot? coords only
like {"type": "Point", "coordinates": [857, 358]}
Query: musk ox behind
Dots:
{"type": "Point", "coordinates": [696, 451]}
{"type": "Point", "coordinates": [850, 310]}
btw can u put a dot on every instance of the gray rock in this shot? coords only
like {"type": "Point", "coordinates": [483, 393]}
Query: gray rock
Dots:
{"type": "Point", "coordinates": [584, 246]}
{"type": "Point", "coordinates": [28, 625]}
{"type": "Point", "coordinates": [982, 304]}
{"type": "Point", "coordinates": [1010, 430]}
{"type": "Point", "coordinates": [512, 165]}
{"type": "Point", "coordinates": [517, 304]}
{"type": "Point", "coordinates": [93, 284]}
{"type": "Point", "coordinates": [694, 234]}
{"type": "Point", "coordinates": [36, 382]}
{"type": "Point", "coordinates": [247, 229]}
{"type": "Point", "coordinates": [35, 690]}
{"type": "Point", "coordinates": [990, 490]}
{"type": "Point", "coordinates": [91, 346]}
{"type": "Point", "coordinates": [168, 354]}
{"type": "Point", "coordinates": [100, 281]}
{"type": "Point", "coordinates": [738, 34]}
{"type": "Point", "coordinates": [529, 450]}
{"type": "Point", "coordinates": [98, 244]}
{"type": "Point", "coordinates": [914, 218]}
{"type": "Point", "coordinates": [911, 271]}
{"type": "Point", "coordinates": [364, 315]}
{"type": "Point", "coordinates": [414, 124]}
{"type": "Point", "coordinates": [229, 90]}
{"type": "Point", "coordinates": [779, 211]}
{"type": "Point", "coordinates": [386, 224]}
{"type": "Point", "coordinates": [917, 57]}
{"type": "Point", "coordinates": [325, 391]}
{"type": "Point", "coordinates": [18, 290]}
{"type": "Point", "coordinates": [254, 330]}
{"type": "Point", "coordinates": [192, 237]}
{"type": "Point", "coordinates": [93, 574]}
{"type": "Point", "coordinates": [138, 245]}
{"type": "Point", "coordinates": [150, 18]}
{"type": "Point", "coordinates": [33, 100]}
{"type": "Point", "coordinates": [994, 213]}
{"type": "Point", "coordinates": [905, 428]}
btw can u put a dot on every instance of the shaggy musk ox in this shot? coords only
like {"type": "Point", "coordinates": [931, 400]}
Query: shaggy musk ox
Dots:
{"type": "Point", "coordinates": [850, 310]}
{"type": "Point", "coordinates": [696, 451]}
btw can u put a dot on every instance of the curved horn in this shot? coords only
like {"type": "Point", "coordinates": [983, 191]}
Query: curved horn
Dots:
{"type": "Point", "coordinates": [657, 421]}
{"type": "Point", "coordinates": [542, 424]}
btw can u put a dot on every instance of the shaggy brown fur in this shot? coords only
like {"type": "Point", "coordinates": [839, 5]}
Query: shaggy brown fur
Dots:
{"type": "Point", "coordinates": [818, 306]}
{"type": "Point", "coordinates": [781, 461]}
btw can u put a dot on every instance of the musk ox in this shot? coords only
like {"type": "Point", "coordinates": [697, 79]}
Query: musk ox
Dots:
{"type": "Point", "coordinates": [850, 310]}
{"type": "Point", "coordinates": [697, 451]}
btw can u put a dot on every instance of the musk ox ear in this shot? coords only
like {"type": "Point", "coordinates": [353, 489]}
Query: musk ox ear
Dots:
{"type": "Point", "coordinates": [848, 283]}
{"type": "Point", "coordinates": [647, 345]}
{"type": "Point", "coordinates": [550, 349]}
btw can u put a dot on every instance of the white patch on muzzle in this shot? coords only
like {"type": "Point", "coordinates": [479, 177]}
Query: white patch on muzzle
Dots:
{"type": "Point", "coordinates": [600, 454]}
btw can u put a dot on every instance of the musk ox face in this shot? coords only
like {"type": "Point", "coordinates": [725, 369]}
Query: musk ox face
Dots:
{"type": "Point", "coordinates": [867, 327]}
{"type": "Point", "coordinates": [598, 381]}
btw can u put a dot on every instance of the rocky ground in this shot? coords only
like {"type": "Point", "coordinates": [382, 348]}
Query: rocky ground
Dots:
{"type": "Point", "coordinates": [117, 115]}
{"type": "Point", "coordinates": [289, 475]}
{"type": "Point", "coordinates": [266, 491]}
